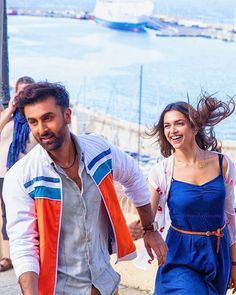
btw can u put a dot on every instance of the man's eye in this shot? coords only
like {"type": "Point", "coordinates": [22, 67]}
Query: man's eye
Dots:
{"type": "Point", "coordinates": [32, 122]}
{"type": "Point", "coordinates": [48, 118]}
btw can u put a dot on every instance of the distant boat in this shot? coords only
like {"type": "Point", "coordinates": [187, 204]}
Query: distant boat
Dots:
{"type": "Point", "coordinates": [130, 15]}
{"type": "Point", "coordinates": [12, 12]}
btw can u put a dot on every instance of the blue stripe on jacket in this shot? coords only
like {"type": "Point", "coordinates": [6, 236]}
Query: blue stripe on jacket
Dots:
{"type": "Point", "coordinates": [98, 157]}
{"type": "Point", "coordinates": [43, 192]}
{"type": "Point", "coordinates": [39, 178]}
{"type": "Point", "coordinates": [102, 171]}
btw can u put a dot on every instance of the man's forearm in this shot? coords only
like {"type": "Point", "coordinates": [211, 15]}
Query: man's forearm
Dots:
{"type": "Point", "coordinates": [146, 214]}
{"type": "Point", "coordinates": [29, 283]}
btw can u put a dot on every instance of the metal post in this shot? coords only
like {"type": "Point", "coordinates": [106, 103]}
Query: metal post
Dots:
{"type": "Point", "coordinates": [140, 111]}
{"type": "Point", "coordinates": [4, 63]}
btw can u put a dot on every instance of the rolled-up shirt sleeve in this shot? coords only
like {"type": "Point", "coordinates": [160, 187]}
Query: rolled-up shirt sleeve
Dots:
{"type": "Point", "coordinates": [127, 172]}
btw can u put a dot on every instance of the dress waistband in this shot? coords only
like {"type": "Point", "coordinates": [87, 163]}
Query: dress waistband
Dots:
{"type": "Point", "coordinates": [218, 233]}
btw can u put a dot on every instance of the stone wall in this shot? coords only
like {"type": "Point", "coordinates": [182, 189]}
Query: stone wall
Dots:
{"type": "Point", "coordinates": [127, 135]}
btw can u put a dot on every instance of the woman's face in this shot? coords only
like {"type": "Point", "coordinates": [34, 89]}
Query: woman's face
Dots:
{"type": "Point", "coordinates": [13, 100]}
{"type": "Point", "coordinates": [178, 131]}
{"type": "Point", "coordinates": [20, 87]}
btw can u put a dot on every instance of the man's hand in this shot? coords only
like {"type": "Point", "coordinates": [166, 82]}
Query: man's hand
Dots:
{"type": "Point", "coordinates": [154, 243]}
{"type": "Point", "coordinates": [232, 281]}
{"type": "Point", "coordinates": [152, 239]}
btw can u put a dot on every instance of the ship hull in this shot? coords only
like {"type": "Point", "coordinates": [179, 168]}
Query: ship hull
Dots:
{"type": "Point", "coordinates": [123, 26]}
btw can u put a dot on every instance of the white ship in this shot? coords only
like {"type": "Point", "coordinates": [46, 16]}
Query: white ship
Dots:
{"type": "Point", "coordinates": [131, 15]}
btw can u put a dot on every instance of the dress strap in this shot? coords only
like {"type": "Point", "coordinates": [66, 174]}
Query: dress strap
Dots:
{"type": "Point", "coordinates": [221, 157]}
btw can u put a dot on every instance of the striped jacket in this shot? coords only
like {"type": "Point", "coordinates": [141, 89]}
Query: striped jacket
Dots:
{"type": "Point", "coordinates": [33, 196]}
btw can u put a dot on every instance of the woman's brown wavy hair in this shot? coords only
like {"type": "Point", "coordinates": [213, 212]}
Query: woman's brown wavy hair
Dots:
{"type": "Point", "coordinates": [209, 112]}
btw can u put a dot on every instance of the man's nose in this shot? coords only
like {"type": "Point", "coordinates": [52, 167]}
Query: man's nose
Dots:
{"type": "Point", "coordinates": [42, 128]}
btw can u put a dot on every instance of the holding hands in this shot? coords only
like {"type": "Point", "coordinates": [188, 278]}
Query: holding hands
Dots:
{"type": "Point", "coordinates": [152, 241]}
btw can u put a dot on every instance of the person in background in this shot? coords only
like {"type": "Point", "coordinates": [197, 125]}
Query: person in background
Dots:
{"type": "Point", "coordinates": [1, 107]}
{"type": "Point", "coordinates": [66, 217]}
{"type": "Point", "coordinates": [193, 190]}
{"type": "Point", "coordinates": [15, 142]}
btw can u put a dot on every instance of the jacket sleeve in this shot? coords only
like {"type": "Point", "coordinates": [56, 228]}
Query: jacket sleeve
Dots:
{"type": "Point", "coordinates": [127, 172]}
{"type": "Point", "coordinates": [21, 224]}
{"type": "Point", "coordinates": [230, 200]}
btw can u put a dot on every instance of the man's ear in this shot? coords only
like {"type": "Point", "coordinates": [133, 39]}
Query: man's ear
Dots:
{"type": "Point", "coordinates": [67, 115]}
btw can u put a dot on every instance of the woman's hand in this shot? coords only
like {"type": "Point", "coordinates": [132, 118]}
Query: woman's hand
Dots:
{"type": "Point", "coordinates": [232, 281]}
{"type": "Point", "coordinates": [7, 114]}
{"type": "Point", "coordinates": [136, 230]}
{"type": "Point", "coordinates": [12, 104]}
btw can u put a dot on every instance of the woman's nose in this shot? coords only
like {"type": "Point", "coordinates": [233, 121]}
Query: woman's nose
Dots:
{"type": "Point", "coordinates": [173, 129]}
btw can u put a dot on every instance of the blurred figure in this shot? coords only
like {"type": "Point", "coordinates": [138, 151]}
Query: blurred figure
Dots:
{"type": "Point", "coordinates": [15, 142]}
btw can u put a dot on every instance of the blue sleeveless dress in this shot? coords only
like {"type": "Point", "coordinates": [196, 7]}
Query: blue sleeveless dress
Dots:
{"type": "Point", "coordinates": [192, 264]}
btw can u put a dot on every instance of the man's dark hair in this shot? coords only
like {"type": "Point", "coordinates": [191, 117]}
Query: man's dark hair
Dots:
{"type": "Point", "coordinates": [40, 91]}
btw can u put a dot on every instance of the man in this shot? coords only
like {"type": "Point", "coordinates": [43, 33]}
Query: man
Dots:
{"type": "Point", "coordinates": [62, 210]}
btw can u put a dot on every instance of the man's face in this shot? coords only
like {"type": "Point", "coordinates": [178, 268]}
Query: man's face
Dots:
{"type": "Point", "coordinates": [48, 123]}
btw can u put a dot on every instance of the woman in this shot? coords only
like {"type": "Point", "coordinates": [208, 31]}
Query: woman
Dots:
{"type": "Point", "coordinates": [15, 142]}
{"type": "Point", "coordinates": [196, 184]}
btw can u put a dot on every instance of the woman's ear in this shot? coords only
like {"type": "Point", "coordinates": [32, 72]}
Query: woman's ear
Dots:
{"type": "Point", "coordinates": [195, 130]}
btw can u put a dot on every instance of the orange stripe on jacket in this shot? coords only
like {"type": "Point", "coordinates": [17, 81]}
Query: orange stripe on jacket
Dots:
{"type": "Point", "coordinates": [48, 212]}
{"type": "Point", "coordinates": [125, 243]}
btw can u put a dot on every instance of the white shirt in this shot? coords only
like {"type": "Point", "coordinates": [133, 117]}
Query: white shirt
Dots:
{"type": "Point", "coordinates": [83, 258]}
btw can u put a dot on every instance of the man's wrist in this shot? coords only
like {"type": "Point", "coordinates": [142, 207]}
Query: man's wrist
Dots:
{"type": "Point", "coordinates": [150, 227]}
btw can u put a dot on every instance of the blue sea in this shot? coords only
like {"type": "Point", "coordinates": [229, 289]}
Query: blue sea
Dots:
{"type": "Point", "coordinates": [101, 67]}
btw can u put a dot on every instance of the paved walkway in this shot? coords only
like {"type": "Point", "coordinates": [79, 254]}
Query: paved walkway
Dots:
{"type": "Point", "coordinates": [9, 286]}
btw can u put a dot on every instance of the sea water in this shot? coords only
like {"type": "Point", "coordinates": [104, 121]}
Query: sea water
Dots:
{"type": "Point", "coordinates": [101, 67]}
